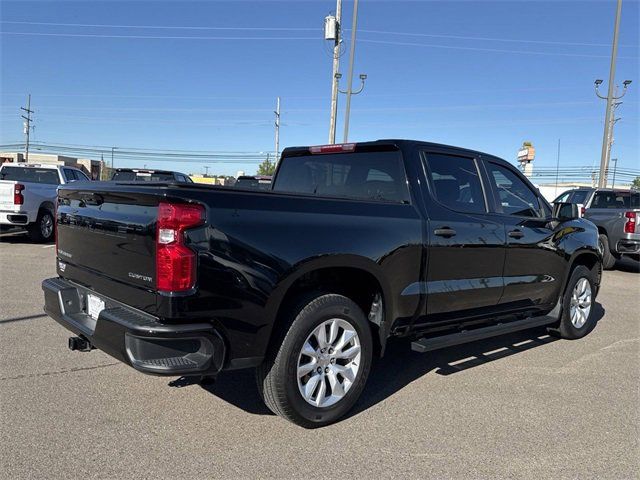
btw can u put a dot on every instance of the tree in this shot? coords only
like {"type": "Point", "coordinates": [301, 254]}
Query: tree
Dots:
{"type": "Point", "coordinates": [636, 182]}
{"type": "Point", "coordinates": [267, 167]}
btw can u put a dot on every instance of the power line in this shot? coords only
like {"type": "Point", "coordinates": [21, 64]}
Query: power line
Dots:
{"type": "Point", "coordinates": [163, 27]}
{"type": "Point", "coordinates": [293, 29]}
{"type": "Point", "coordinates": [151, 37]}
{"type": "Point", "coordinates": [382, 42]}
{"type": "Point", "coordinates": [492, 39]}
{"type": "Point", "coordinates": [495, 50]}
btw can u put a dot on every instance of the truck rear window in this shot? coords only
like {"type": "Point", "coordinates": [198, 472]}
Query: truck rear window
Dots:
{"type": "Point", "coordinates": [142, 177]}
{"type": "Point", "coordinates": [30, 174]}
{"type": "Point", "coordinates": [608, 199]}
{"type": "Point", "coordinates": [363, 175]}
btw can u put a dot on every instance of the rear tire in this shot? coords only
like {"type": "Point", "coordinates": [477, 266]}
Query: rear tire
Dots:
{"type": "Point", "coordinates": [608, 260]}
{"type": "Point", "coordinates": [319, 365]}
{"type": "Point", "coordinates": [43, 230]}
{"type": "Point", "coordinates": [577, 318]}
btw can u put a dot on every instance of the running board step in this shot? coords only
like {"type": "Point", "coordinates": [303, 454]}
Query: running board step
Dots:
{"type": "Point", "coordinates": [423, 345]}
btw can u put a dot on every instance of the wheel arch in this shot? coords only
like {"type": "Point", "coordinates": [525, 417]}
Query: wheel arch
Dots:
{"type": "Point", "coordinates": [589, 259]}
{"type": "Point", "coordinates": [355, 277]}
{"type": "Point", "coordinates": [47, 205]}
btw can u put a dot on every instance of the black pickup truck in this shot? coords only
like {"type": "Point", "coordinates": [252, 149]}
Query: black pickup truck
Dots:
{"type": "Point", "coordinates": [354, 244]}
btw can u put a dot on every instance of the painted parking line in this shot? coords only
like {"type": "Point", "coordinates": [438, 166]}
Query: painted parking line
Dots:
{"type": "Point", "coordinates": [49, 246]}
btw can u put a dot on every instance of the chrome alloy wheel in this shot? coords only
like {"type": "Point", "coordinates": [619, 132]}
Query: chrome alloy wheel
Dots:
{"type": "Point", "coordinates": [580, 306]}
{"type": "Point", "coordinates": [328, 363]}
{"type": "Point", "coordinates": [46, 226]}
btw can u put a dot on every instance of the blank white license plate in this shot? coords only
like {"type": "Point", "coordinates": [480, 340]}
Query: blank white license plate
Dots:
{"type": "Point", "coordinates": [94, 306]}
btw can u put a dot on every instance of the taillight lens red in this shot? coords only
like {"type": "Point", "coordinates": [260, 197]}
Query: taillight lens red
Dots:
{"type": "Point", "coordinates": [18, 198]}
{"type": "Point", "coordinates": [175, 262]}
{"type": "Point", "coordinates": [582, 211]}
{"type": "Point", "coordinates": [630, 225]}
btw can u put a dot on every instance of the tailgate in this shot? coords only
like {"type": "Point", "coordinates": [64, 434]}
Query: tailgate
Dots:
{"type": "Point", "coordinates": [107, 234]}
{"type": "Point", "coordinates": [6, 193]}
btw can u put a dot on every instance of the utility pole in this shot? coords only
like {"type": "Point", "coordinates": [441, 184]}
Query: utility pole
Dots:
{"type": "Point", "coordinates": [112, 149]}
{"type": "Point", "coordinates": [347, 111]}
{"type": "Point", "coordinates": [557, 169]}
{"type": "Point", "coordinates": [334, 76]}
{"type": "Point", "coordinates": [604, 157]}
{"type": "Point", "coordinates": [277, 112]}
{"type": "Point", "coordinates": [27, 126]}
{"type": "Point", "coordinates": [615, 166]}
{"type": "Point", "coordinates": [206, 170]}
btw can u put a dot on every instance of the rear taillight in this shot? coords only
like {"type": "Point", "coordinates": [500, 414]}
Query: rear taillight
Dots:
{"type": "Point", "coordinates": [175, 262]}
{"type": "Point", "coordinates": [582, 211]}
{"type": "Point", "coordinates": [336, 148]}
{"type": "Point", "coordinates": [18, 198]}
{"type": "Point", "coordinates": [630, 224]}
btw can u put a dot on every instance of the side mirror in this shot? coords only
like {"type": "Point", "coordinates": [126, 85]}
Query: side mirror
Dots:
{"type": "Point", "coordinates": [567, 211]}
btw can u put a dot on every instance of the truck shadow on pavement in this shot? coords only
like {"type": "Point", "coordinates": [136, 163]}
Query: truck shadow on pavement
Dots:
{"type": "Point", "coordinates": [399, 367]}
{"type": "Point", "coordinates": [627, 265]}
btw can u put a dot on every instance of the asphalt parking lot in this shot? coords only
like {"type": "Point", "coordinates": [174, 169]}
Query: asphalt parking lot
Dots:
{"type": "Point", "coordinates": [518, 406]}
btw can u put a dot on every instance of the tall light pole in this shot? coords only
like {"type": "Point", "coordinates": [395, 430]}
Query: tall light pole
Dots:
{"type": "Point", "coordinates": [336, 67]}
{"type": "Point", "coordinates": [610, 121]}
{"type": "Point", "coordinates": [604, 157]}
{"type": "Point", "coordinates": [112, 150]}
{"type": "Point", "coordinates": [347, 111]}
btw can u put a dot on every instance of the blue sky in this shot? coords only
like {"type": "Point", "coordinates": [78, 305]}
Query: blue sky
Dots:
{"type": "Point", "coordinates": [524, 70]}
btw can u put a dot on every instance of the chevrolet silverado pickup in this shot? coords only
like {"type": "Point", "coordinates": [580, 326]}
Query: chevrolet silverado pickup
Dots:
{"type": "Point", "coordinates": [353, 245]}
{"type": "Point", "coordinates": [28, 195]}
{"type": "Point", "coordinates": [616, 213]}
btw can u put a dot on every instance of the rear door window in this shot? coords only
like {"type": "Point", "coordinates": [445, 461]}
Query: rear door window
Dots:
{"type": "Point", "coordinates": [70, 175]}
{"type": "Point", "coordinates": [455, 182]}
{"type": "Point", "coordinates": [46, 176]}
{"type": "Point", "coordinates": [579, 196]}
{"type": "Point", "coordinates": [363, 175]}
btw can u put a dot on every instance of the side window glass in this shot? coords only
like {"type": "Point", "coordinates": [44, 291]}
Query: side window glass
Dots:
{"type": "Point", "coordinates": [514, 194]}
{"type": "Point", "coordinates": [70, 175]}
{"type": "Point", "coordinates": [456, 183]}
{"type": "Point", "coordinates": [609, 200]}
{"type": "Point", "coordinates": [81, 175]}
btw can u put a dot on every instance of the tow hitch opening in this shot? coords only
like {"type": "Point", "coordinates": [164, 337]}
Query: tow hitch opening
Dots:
{"type": "Point", "coordinates": [80, 344]}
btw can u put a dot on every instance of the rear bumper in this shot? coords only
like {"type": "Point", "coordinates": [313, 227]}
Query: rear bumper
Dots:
{"type": "Point", "coordinates": [629, 244]}
{"type": "Point", "coordinates": [133, 337]}
{"type": "Point", "coordinates": [14, 217]}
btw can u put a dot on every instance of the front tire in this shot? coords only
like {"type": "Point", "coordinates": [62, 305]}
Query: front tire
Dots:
{"type": "Point", "coordinates": [320, 364]}
{"type": "Point", "coordinates": [43, 230]}
{"type": "Point", "coordinates": [577, 304]}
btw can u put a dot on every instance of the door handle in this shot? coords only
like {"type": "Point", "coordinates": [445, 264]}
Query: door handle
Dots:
{"type": "Point", "coordinates": [516, 234]}
{"type": "Point", "coordinates": [445, 232]}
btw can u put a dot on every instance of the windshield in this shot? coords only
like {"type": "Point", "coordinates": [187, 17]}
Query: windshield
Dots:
{"type": "Point", "coordinates": [47, 176]}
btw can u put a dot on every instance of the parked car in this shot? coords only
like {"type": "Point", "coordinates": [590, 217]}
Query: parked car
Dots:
{"type": "Point", "coordinates": [616, 213]}
{"type": "Point", "coordinates": [256, 182]}
{"type": "Point", "coordinates": [146, 175]}
{"type": "Point", "coordinates": [28, 195]}
{"type": "Point", "coordinates": [355, 244]}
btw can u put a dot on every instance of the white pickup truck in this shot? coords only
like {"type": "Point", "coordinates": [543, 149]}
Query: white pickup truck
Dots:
{"type": "Point", "coordinates": [28, 194]}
